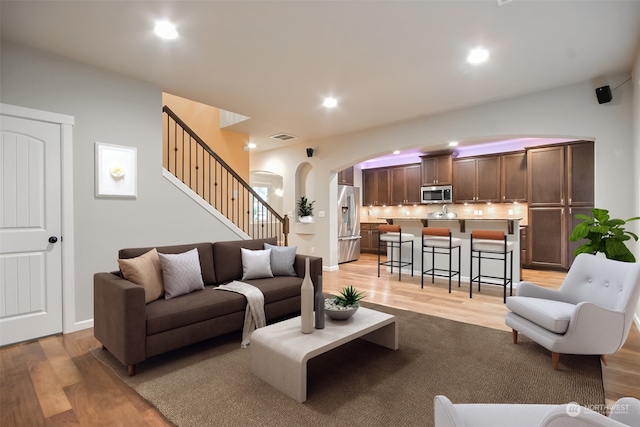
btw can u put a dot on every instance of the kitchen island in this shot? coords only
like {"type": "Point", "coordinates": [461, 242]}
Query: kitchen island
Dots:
{"type": "Point", "coordinates": [461, 227]}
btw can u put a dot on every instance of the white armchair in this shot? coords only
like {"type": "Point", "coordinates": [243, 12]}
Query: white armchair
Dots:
{"type": "Point", "coordinates": [624, 413]}
{"type": "Point", "coordinates": [591, 312]}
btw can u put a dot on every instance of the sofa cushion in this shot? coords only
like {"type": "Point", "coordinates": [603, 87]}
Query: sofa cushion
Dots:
{"type": "Point", "coordinates": [181, 273]}
{"type": "Point", "coordinates": [552, 315]}
{"type": "Point", "coordinates": [205, 253]}
{"type": "Point", "coordinates": [165, 315]}
{"type": "Point", "coordinates": [278, 288]}
{"type": "Point", "coordinates": [256, 264]}
{"type": "Point", "coordinates": [282, 259]}
{"type": "Point", "coordinates": [227, 257]}
{"type": "Point", "coordinates": [144, 271]}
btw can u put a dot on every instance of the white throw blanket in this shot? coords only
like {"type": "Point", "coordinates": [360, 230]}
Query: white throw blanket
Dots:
{"type": "Point", "coordinates": [254, 314]}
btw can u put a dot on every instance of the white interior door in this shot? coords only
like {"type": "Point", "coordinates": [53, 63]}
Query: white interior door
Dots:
{"type": "Point", "coordinates": [30, 227]}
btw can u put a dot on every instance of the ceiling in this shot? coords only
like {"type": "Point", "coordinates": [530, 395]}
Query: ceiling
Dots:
{"type": "Point", "coordinates": [385, 61]}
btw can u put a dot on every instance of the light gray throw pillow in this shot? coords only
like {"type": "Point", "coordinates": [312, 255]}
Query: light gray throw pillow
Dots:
{"type": "Point", "coordinates": [181, 273]}
{"type": "Point", "coordinates": [256, 264]}
{"type": "Point", "coordinates": [282, 259]}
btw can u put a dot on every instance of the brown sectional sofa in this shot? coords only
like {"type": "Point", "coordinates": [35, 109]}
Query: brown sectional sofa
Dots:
{"type": "Point", "coordinates": [134, 331]}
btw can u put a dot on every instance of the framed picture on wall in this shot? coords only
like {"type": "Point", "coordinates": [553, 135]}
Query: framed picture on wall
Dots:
{"type": "Point", "coordinates": [116, 171]}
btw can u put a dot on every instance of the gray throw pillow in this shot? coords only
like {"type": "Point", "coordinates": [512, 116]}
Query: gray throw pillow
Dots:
{"type": "Point", "coordinates": [282, 259]}
{"type": "Point", "coordinates": [181, 273]}
{"type": "Point", "coordinates": [256, 264]}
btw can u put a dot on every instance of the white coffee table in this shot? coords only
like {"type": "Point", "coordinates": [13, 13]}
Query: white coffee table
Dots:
{"type": "Point", "coordinates": [279, 352]}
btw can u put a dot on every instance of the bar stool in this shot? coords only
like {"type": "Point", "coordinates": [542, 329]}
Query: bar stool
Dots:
{"type": "Point", "coordinates": [490, 244]}
{"type": "Point", "coordinates": [439, 241]}
{"type": "Point", "coordinates": [393, 236]}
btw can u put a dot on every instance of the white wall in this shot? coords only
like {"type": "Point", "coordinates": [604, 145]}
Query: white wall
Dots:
{"type": "Point", "coordinates": [113, 109]}
{"type": "Point", "coordinates": [636, 137]}
{"type": "Point", "coordinates": [571, 111]}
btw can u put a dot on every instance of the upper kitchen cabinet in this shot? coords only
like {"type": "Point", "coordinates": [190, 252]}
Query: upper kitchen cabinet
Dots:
{"type": "Point", "coordinates": [375, 187]}
{"type": "Point", "coordinates": [405, 184]}
{"type": "Point", "coordinates": [580, 174]}
{"type": "Point", "coordinates": [345, 177]}
{"type": "Point", "coordinates": [436, 170]}
{"type": "Point", "coordinates": [514, 177]}
{"type": "Point", "coordinates": [546, 176]}
{"type": "Point", "coordinates": [476, 179]}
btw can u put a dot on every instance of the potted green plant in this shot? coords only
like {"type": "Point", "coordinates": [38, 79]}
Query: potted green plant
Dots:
{"type": "Point", "coordinates": [344, 305]}
{"type": "Point", "coordinates": [305, 209]}
{"type": "Point", "coordinates": [604, 235]}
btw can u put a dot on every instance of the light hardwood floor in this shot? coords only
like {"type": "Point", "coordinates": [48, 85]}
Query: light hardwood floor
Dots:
{"type": "Point", "coordinates": [54, 381]}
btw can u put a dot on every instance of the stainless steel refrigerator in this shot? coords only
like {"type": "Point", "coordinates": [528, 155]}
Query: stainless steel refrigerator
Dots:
{"type": "Point", "coordinates": [348, 223]}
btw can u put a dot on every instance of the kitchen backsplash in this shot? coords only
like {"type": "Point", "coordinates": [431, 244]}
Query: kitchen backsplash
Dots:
{"type": "Point", "coordinates": [479, 210]}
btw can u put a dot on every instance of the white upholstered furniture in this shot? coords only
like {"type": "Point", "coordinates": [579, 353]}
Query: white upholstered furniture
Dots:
{"type": "Point", "coordinates": [394, 238]}
{"type": "Point", "coordinates": [438, 241]}
{"type": "Point", "coordinates": [491, 245]}
{"type": "Point", "coordinates": [624, 413]}
{"type": "Point", "coordinates": [591, 312]}
{"type": "Point", "coordinates": [280, 352]}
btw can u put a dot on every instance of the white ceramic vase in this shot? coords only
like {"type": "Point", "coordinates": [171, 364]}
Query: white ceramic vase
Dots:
{"type": "Point", "coordinates": [306, 306]}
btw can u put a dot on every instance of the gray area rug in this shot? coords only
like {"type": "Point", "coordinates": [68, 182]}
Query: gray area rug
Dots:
{"type": "Point", "coordinates": [361, 384]}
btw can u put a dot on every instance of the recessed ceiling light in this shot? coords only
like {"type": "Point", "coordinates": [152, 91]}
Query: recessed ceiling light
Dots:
{"type": "Point", "coordinates": [478, 56]}
{"type": "Point", "coordinates": [165, 30]}
{"type": "Point", "coordinates": [453, 143]}
{"type": "Point", "coordinates": [251, 145]}
{"type": "Point", "coordinates": [330, 102]}
{"type": "Point", "coordinates": [396, 152]}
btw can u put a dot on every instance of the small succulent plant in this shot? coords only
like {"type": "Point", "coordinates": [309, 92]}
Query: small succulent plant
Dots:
{"type": "Point", "coordinates": [349, 296]}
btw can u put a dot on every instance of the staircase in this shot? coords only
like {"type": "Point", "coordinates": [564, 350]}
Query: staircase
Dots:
{"type": "Point", "coordinates": [193, 162]}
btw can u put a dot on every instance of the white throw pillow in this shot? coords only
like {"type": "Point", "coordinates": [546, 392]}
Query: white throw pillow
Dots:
{"type": "Point", "coordinates": [181, 273]}
{"type": "Point", "coordinates": [256, 264]}
{"type": "Point", "coordinates": [282, 259]}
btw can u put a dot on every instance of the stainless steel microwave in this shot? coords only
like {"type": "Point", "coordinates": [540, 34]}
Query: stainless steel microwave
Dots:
{"type": "Point", "coordinates": [436, 194]}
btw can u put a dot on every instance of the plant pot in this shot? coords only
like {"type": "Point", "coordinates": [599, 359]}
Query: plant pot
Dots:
{"type": "Point", "coordinates": [339, 313]}
{"type": "Point", "coordinates": [306, 219]}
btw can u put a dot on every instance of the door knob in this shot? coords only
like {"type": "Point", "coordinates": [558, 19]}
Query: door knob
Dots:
{"type": "Point", "coordinates": [53, 239]}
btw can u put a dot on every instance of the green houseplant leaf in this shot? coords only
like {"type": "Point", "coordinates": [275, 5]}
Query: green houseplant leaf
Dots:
{"type": "Point", "coordinates": [604, 235]}
{"type": "Point", "coordinates": [305, 207]}
{"type": "Point", "coordinates": [349, 296]}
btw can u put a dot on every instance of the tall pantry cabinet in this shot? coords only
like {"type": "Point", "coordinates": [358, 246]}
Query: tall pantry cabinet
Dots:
{"type": "Point", "coordinates": [560, 185]}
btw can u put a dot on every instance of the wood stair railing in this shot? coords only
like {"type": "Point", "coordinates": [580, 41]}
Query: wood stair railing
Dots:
{"type": "Point", "coordinates": [193, 162]}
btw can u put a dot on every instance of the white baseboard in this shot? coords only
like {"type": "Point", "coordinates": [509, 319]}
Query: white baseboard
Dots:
{"type": "Point", "coordinates": [78, 326]}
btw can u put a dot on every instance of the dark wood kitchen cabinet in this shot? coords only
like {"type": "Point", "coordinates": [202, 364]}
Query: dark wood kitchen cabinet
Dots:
{"type": "Point", "coordinates": [546, 176]}
{"type": "Point", "coordinates": [560, 185]}
{"type": "Point", "coordinates": [513, 177]}
{"type": "Point", "coordinates": [524, 247]}
{"type": "Point", "coordinates": [376, 187]}
{"type": "Point", "coordinates": [580, 174]}
{"type": "Point", "coordinates": [476, 179]}
{"type": "Point", "coordinates": [405, 184]}
{"type": "Point", "coordinates": [436, 170]}
{"type": "Point", "coordinates": [369, 238]}
{"type": "Point", "coordinates": [547, 237]}
{"type": "Point", "coordinates": [345, 176]}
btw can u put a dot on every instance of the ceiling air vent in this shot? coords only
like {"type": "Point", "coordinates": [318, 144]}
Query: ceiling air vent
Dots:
{"type": "Point", "coordinates": [282, 136]}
